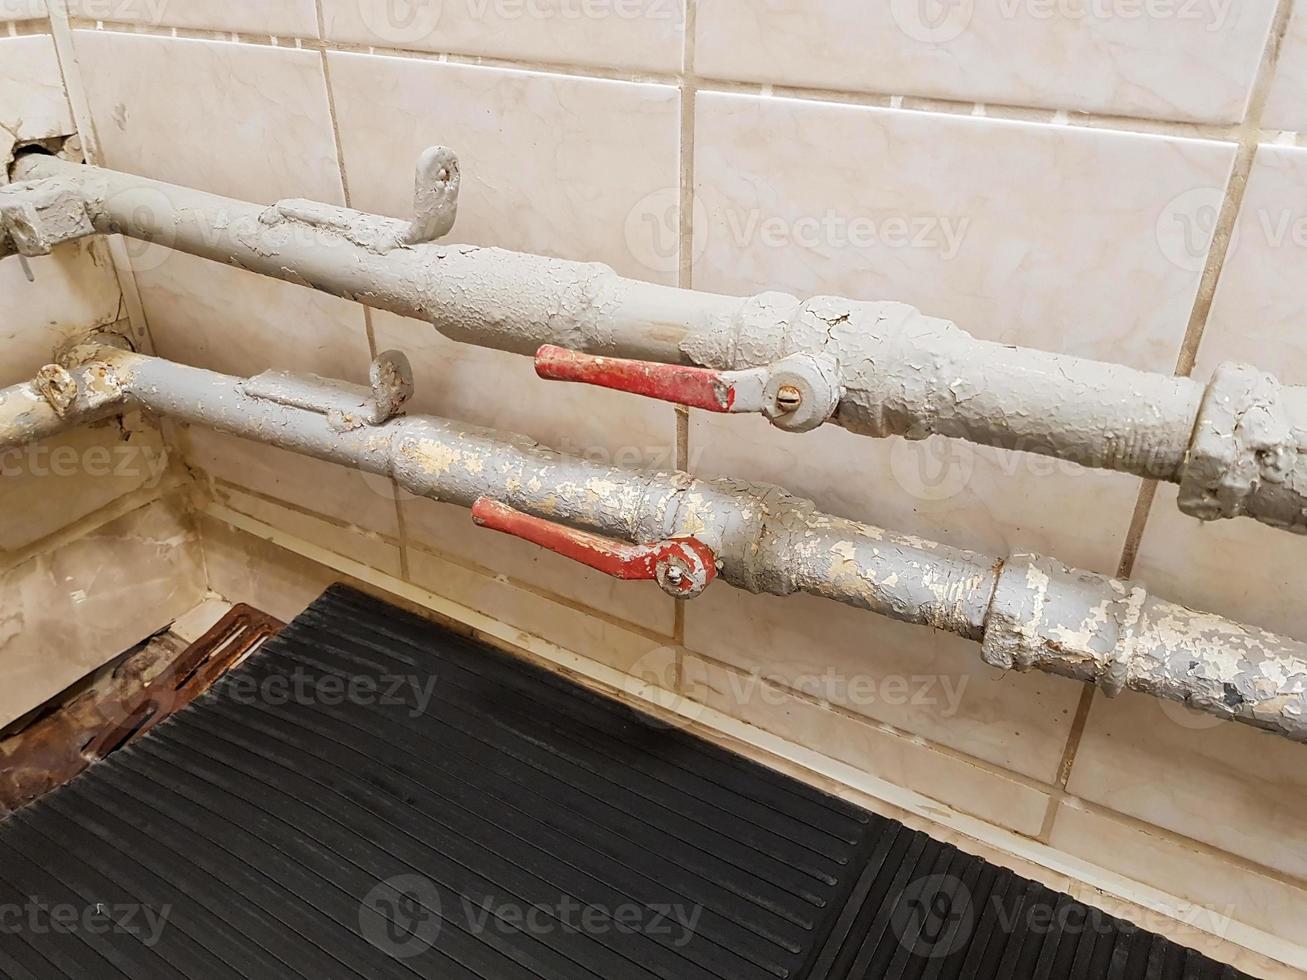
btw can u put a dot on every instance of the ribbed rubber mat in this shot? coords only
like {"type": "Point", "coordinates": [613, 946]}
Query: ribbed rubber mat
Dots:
{"type": "Point", "coordinates": [373, 796]}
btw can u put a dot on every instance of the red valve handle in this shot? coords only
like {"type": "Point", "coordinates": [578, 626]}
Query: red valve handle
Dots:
{"type": "Point", "coordinates": [692, 386]}
{"type": "Point", "coordinates": [682, 566]}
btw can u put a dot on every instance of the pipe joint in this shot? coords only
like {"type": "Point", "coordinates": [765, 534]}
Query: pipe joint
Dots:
{"type": "Point", "coordinates": [36, 216]}
{"type": "Point", "coordinates": [1247, 454]}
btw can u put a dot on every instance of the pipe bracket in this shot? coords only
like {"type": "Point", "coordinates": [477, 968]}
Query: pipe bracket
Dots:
{"type": "Point", "coordinates": [682, 567]}
{"type": "Point", "coordinates": [346, 406]}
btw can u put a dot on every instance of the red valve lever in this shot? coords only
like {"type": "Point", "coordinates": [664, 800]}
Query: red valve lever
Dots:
{"type": "Point", "coordinates": [692, 386]}
{"type": "Point", "coordinates": [682, 566]}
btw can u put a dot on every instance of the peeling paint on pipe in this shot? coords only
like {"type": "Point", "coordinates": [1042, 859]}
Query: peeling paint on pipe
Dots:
{"type": "Point", "coordinates": [1027, 612]}
{"type": "Point", "coordinates": [900, 373]}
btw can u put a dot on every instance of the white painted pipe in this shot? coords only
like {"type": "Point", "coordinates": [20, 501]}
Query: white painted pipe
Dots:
{"type": "Point", "coordinates": [1236, 446]}
{"type": "Point", "coordinates": [1027, 612]}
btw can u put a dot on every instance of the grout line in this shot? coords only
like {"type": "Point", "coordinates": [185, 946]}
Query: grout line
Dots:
{"type": "Point", "coordinates": [1064, 767]}
{"type": "Point", "coordinates": [1003, 112]}
{"type": "Point", "coordinates": [689, 91]}
{"type": "Point", "coordinates": [1249, 135]}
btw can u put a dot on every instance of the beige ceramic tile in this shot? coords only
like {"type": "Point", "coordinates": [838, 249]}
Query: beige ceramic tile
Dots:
{"type": "Point", "coordinates": [1241, 568]}
{"type": "Point", "coordinates": [21, 9]}
{"type": "Point", "coordinates": [550, 163]}
{"type": "Point", "coordinates": [569, 628]}
{"type": "Point", "coordinates": [1220, 783]}
{"type": "Point", "coordinates": [210, 315]}
{"type": "Point", "coordinates": [293, 18]}
{"type": "Point", "coordinates": [1223, 890]}
{"type": "Point", "coordinates": [71, 293]}
{"type": "Point", "coordinates": [242, 120]}
{"type": "Point", "coordinates": [48, 485]}
{"type": "Point", "coordinates": [245, 568]}
{"type": "Point", "coordinates": [348, 496]}
{"type": "Point", "coordinates": [907, 762]}
{"type": "Point", "coordinates": [32, 99]}
{"type": "Point", "coordinates": [1287, 106]}
{"type": "Point", "coordinates": [919, 680]}
{"type": "Point", "coordinates": [366, 547]}
{"type": "Point", "coordinates": [1191, 61]}
{"type": "Point", "coordinates": [1022, 233]}
{"type": "Point", "coordinates": [69, 611]}
{"type": "Point", "coordinates": [631, 34]}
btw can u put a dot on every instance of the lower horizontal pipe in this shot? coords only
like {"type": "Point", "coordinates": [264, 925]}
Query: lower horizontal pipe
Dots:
{"type": "Point", "coordinates": [1027, 612]}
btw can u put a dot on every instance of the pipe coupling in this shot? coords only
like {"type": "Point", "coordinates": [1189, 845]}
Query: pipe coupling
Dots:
{"type": "Point", "coordinates": [1047, 616]}
{"type": "Point", "coordinates": [1247, 451]}
{"type": "Point", "coordinates": [36, 216]}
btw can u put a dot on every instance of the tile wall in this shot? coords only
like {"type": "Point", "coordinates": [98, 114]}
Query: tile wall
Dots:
{"type": "Point", "coordinates": [1120, 181]}
{"type": "Point", "coordinates": [95, 553]}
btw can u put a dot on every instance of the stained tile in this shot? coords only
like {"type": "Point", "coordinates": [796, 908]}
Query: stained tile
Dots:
{"type": "Point", "coordinates": [631, 34]}
{"type": "Point", "coordinates": [550, 163]}
{"type": "Point", "coordinates": [1221, 890]}
{"type": "Point", "coordinates": [285, 18]}
{"type": "Point", "coordinates": [1286, 107]}
{"type": "Point", "coordinates": [1238, 567]}
{"type": "Point", "coordinates": [908, 762]}
{"type": "Point", "coordinates": [48, 485]}
{"type": "Point", "coordinates": [919, 680]}
{"type": "Point", "coordinates": [32, 100]}
{"type": "Point", "coordinates": [70, 611]}
{"type": "Point", "coordinates": [1192, 61]}
{"type": "Point", "coordinates": [71, 294]}
{"type": "Point", "coordinates": [242, 120]}
{"type": "Point", "coordinates": [1220, 783]}
{"type": "Point", "coordinates": [22, 9]}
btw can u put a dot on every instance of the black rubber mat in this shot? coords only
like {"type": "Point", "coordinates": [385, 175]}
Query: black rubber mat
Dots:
{"type": "Point", "coordinates": [373, 796]}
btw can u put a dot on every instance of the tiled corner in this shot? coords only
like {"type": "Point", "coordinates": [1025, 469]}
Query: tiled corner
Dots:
{"type": "Point", "coordinates": [60, 480]}
{"type": "Point", "coordinates": [622, 34]}
{"type": "Point", "coordinates": [71, 292]}
{"type": "Point", "coordinates": [1191, 62]}
{"type": "Point", "coordinates": [1021, 233]}
{"type": "Point", "coordinates": [69, 611]}
{"type": "Point", "coordinates": [550, 163]}
{"type": "Point", "coordinates": [350, 498]}
{"type": "Point", "coordinates": [32, 100]}
{"type": "Point", "coordinates": [1286, 107]}
{"type": "Point", "coordinates": [1222, 889]}
{"type": "Point", "coordinates": [1238, 567]}
{"type": "Point", "coordinates": [1217, 782]}
{"type": "Point", "coordinates": [284, 18]}
{"type": "Point", "coordinates": [903, 761]}
{"type": "Point", "coordinates": [245, 568]}
{"type": "Point", "coordinates": [922, 681]}
{"type": "Point", "coordinates": [242, 120]}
